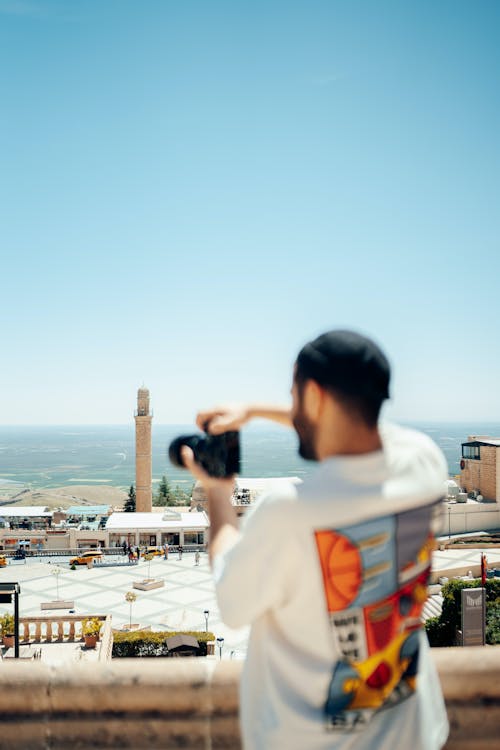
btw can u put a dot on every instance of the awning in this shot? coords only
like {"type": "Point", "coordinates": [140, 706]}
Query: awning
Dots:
{"type": "Point", "coordinates": [182, 641]}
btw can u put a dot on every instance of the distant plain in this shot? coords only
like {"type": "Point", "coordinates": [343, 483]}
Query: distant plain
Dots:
{"type": "Point", "coordinates": [61, 465]}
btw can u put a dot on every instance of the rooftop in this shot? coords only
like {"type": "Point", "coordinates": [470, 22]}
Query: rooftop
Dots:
{"type": "Point", "coordinates": [261, 483]}
{"type": "Point", "coordinates": [168, 520]}
{"type": "Point", "coordinates": [482, 440]}
{"type": "Point", "coordinates": [87, 510]}
{"type": "Point", "coordinates": [23, 511]}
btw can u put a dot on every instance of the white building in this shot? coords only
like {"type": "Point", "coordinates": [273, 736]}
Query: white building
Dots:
{"type": "Point", "coordinates": [169, 526]}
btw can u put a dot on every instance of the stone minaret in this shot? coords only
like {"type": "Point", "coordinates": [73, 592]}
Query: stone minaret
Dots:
{"type": "Point", "coordinates": [143, 489]}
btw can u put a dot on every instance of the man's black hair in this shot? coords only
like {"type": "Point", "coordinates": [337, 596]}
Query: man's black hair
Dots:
{"type": "Point", "coordinates": [350, 366]}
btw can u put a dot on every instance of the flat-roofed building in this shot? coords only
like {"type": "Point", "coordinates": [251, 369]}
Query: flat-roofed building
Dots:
{"type": "Point", "coordinates": [24, 527]}
{"type": "Point", "coordinates": [150, 529]}
{"type": "Point", "coordinates": [90, 516]}
{"type": "Point", "coordinates": [480, 466]}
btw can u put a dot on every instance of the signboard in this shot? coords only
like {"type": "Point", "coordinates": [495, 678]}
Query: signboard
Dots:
{"type": "Point", "coordinates": [473, 613]}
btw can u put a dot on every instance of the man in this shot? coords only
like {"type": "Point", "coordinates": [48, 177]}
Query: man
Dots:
{"type": "Point", "coordinates": [332, 574]}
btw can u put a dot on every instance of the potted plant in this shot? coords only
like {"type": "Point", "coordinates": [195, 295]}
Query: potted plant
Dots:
{"type": "Point", "coordinates": [7, 629]}
{"type": "Point", "coordinates": [91, 627]}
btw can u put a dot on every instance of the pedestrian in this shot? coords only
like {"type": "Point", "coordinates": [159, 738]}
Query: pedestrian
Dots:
{"type": "Point", "coordinates": [165, 551]}
{"type": "Point", "coordinates": [124, 545]}
{"type": "Point", "coordinates": [337, 657]}
{"type": "Point", "coordinates": [138, 553]}
{"type": "Point", "coordinates": [180, 551]}
{"type": "Point", "coordinates": [197, 557]}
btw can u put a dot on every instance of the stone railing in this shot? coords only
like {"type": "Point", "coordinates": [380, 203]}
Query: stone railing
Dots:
{"type": "Point", "coordinates": [63, 628]}
{"type": "Point", "coordinates": [56, 627]}
{"type": "Point", "coordinates": [193, 703]}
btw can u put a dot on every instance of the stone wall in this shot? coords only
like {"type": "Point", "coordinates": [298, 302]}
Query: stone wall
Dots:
{"type": "Point", "coordinates": [193, 703]}
{"type": "Point", "coordinates": [481, 474]}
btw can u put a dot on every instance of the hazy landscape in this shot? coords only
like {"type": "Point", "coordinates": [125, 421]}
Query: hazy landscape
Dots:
{"type": "Point", "coordinates": [96, 464]}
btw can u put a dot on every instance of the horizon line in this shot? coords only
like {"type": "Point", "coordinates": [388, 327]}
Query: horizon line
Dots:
{"type": "Point", "coordinates": [419, 421]}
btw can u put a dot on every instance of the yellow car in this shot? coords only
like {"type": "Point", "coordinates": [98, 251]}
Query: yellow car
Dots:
{"type": "Point", "coordinates": [3, 561]}
{"type": "Point", "coordinates": [151, 551]}
{"type": "Point", "coordinates": [83, 559]}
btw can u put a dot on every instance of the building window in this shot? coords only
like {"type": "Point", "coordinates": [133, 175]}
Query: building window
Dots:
{"type": "Point", "coordinates": [171, 538]}
{"type": "Point", "coordinates": [471, 451]}
{"type": "Point", "coordinates": [193, 537]}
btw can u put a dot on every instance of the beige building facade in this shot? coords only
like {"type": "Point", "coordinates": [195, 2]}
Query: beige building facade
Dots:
{"type": "Point", "coordinates": [480, 466]}
{"type": "Point", "coordinates": [36, 529]}
{"type": "Point", "coordinates": [143, 453]}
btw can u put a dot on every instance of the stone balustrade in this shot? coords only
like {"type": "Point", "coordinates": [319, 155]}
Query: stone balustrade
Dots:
{"type": "Point", "coordinates": [57, 627]}
{"type": "Point", "coordinates": [64, 628]}
{"type": "Point", "coordinates": [193, 703]}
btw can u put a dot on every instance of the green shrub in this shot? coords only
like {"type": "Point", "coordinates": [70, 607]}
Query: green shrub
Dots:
{"type": "Point", "coordinates": [493, 624]}
{"type": "Point", "coordinates": [439, 633]}
{"type": "Point", "coordinates": [145, 643]}
{"type": "Point", "coordinates": [451, 614]}
{"type": "Point", "coordinates": [442, 630]}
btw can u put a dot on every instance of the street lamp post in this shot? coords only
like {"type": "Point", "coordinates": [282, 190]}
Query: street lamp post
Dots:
{"type": "Point", "coordinates": [449, 520]}
{"type": "Point", "coordinates": [220, 643]}
{"type": "Point", "coordinates": [206, 613]}
{"type": "Point", "coordinates": [130, 596]}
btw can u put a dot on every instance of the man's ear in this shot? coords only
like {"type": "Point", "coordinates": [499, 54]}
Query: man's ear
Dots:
{"type": "Point", "coordinates": [312, 399]}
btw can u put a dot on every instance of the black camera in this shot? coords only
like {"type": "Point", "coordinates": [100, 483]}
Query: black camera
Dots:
{"type": "Point", "coordinates": [219, 455]}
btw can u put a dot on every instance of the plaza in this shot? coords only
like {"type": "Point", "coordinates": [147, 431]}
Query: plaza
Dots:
{"type": "Point", "coordinates": [124, 702]}
{"type": "Point", "coordinates": [180, 604]}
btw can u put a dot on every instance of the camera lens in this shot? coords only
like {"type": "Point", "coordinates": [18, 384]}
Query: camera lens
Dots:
{"type": "Point", "coordinates": [219, 455]}
{"type": "Point", "coordinates": [174, 451]}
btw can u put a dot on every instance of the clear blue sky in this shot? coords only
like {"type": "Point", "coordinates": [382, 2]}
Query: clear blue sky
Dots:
{"type": "Point", "coordinates": [190, 190]}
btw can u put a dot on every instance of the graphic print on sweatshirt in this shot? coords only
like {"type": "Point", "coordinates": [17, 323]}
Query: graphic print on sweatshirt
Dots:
{"type": "Point", "coordinates": [375, 577]}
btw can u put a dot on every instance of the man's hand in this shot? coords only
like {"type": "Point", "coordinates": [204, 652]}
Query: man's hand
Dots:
{"type": "Point", "coordinates": [233, 416]}
{"type": "Point", "coordinates": [223, 418]}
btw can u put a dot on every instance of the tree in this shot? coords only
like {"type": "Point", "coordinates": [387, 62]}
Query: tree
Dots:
{"type": "Point", "coordinates": [180, 497]}
{"type": "Point", "coordinates": [167, 495]}
{"type": "Point", "coordinates": [129, 506]}
{"type": "Point", "coordinates": [162, 496]}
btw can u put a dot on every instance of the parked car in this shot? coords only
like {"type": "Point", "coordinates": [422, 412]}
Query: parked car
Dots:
{"type": "Point", "coordinates": [151, 551]}
{"type": "Point", "coordinates": [3, 561]}
{"type": "Point", "coordinates": [84, 557]}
